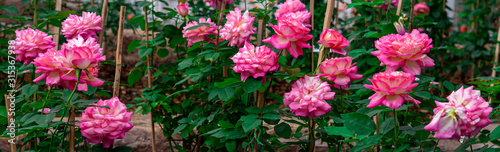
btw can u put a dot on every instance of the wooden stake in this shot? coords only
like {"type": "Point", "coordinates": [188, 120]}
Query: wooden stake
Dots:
{"type": "Point", "coordinates": [13, 147]}
{"type": "Point", "coordinates": [104, 14]}
{"type": "Point", "coordinates": [259, 94]}
{"type": "Point", "coordinates": [150, 78]}
{"type": "Point", "coordinates": [219, 22]}
{"type": "Point", "coordinates": [398, 12]}
{"type": "Point", "coordinates": [57, 30]}
{"type": "Point", "coordinates": [311, 9]}
{"type": "Point", "coordinates": [410, 26]}
{"type": "Point", "coordinates": [495, 61]}
{"type": "Point", "coordinates": [92, 3]}
{"type": "Point", "coordinates": [72, 130]}
{"type": "Point", "coordinates": [118, 69]}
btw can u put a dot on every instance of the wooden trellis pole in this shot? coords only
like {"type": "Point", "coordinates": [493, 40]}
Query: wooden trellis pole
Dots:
{"type": "Point", "coordinates": [119, 45]}
{"type": "Point", "coordinates": [150, 78]}
{"type": "Point", "coordinates": [398, 12]}
{"type": "Point", "coordinates": [57, 30]}
{"type": "Point", "coordinates": [13, 147]}
{"type": "Point", "coordinates": [410, 25]}
{"type": "Point", "coordinates": [260, 94]}
{"type": "Point", "coordinates": [104, 14]}
{"type": "Point", "coordinates": [219, 22]}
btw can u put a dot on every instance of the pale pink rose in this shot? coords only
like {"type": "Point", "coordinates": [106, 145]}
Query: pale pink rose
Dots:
{"type": "Point", "coordinates": [217, 3]}
{"type": "Point", "coordinates": [386, 6]}
{"type": "Point", "coordinates": [421, 8]}
{"type": "Point", "coordinates": [105, 124]}
{"type": "Point", "coordinates": [332, 39]}
{"type": "Point", "coordinates": [80, 53]}
{"type": "Point", "coordinates": [308, 97]}
{"type": "Point", "coordinates": [406, 51]}
{"type": "Point", "coordinates": [29, 43]}
{"type": "Point", "coordinates": [201, 33]}
{"type": "Point", "coordinates": [254, 61]}
{"type": "Point", "coordinates": [390, 89]}
{"type": "Point", "coordinates": [291, 35]}
{"type": "Point", "coordinates": [238, 28]}
{"type": "Point", "coordinates": [290, 6]}
{"type": "Point", "coordinates": [183, 9]}
{"type": "Point", "coordinates": [302, 16]}
{"type": "Point", "coordinates": [84, 26]}
{"type": "Point", "coordinates": [465, 114]}
{"type": "Point", "coordinates": [47, 111]}
{"type": "Point", "coordinates": [340, 70]}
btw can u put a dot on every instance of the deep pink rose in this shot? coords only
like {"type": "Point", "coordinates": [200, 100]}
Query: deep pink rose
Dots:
{"type": "Point", "coordinates": [332, 39]}
{"type": "Point", "coordinates": [289, 6]}
{"type": "Point", "coordinates": [291, 35]}
{"type": "Point", "coordinates": [308, 97]}
{"type": "Point", "coordinates": [183, 9]}
{"type": "Point", "coordinates": [340, 70]}
{"type": "Point", "coordinates": [80, 53]}
{"type": "Point", "coordinates": [254, 61]}
{"type": "Point", "coordinates": [29, 43]}
{"type": "Point", "coordinates": [390, 89]}
{"type": "Point", "coordinates": [238, 28]}
{"type": "Point", "coordinates": [201, 33]}
{"type": "Point", "coordinates": [84, 26]}
{"type": "Point", "coordinates": [421, 8]}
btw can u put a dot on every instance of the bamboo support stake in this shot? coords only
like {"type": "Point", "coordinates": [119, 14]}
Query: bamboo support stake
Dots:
{"type": "Point", "coordinates": [119, 45]}
{"type": "Point", "coordinates": [13, 147]}
{"type": "Point", "coordinates": [410, 26]}
{"type": "Point", "coordinates": [311, 9]}
{"type": "Point", "coordinates": [497, 53]}
{"type": "Point", "coordinates": [104, 14]}
{"type": "Point", "coordinates": [57, 30]}
{"type": "Point", "coordinates": [398, 12]}
{"type": "Point", "coordinates": [150, 78]}
{"type": "Point", "coordinates": [92, 3]}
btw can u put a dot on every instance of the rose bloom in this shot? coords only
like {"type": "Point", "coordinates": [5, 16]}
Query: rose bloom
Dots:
{"type": "Point", "coordinates": [332, 39]}
{"type": "Point", "coordinates": [84, 26]}
{"type": "Point", "coordinates": [465, 114]}
{"type": "Point", "coordinates": [254, 61]}
{"type": "Point", "coordinates": [303, 16]}
{"type": "Point", "coordinates": [421, 8]}
{"type": "Point", "coordinates": [183, 9]}
{"type": "Point", "coordinates": [217, 3]}
{"type": "Point", "coordinates": [291, 35]}
{"type": "Point", "coordinates": [386, 6]}
{"type": "Point", "coordinates": [105, 124]}
{"type": "Point", "coordinates": [29, 43]}
{"type": "Point", "coordinates": [463, 28]}
{"type": "Point", "coordinates": [308, 97]}
{"type": "Point", "coordinates": [47, 111]}
{"type": "Point", "coordinates": [238, 28]}
{"type": "Point", "coordinates": [290, 6]}
{"type": "Point", "coordinates": [201, 33]}
{"type": "Point", "coordinates": [340, 70]}
{"type": "Point", "coordinates": [390, 89]}
{"type": "Point", "coordinates": [80, 53]}
{"type": "Point", "coordinates": [406, 51]}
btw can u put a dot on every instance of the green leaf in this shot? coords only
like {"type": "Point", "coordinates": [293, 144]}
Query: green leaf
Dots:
{"type": "Point", "coordinates": [179, 128]}
{"type": "Point", "coordinates": [145, 51]}
{"type": "Point", "coordinates": [133, 77]}
{"type": "Point", "coordinates": [226, 124]}
{"type": "Point", "coordinates": [271, 116]}
{"type": "Point", "coordinates": [228, 81]}
{"type": "Point", "coordinates": [251, 124]}
{"type": "Point", "coordinates": [356, 53]}
{"type": "Point", "coordinates": [162, 53]}
{"type": "Point", "coordinates": [449, 85]}
{"type": "Point", "coordinates": [185, 63]}
{"type": "Point", "coordinates": [196, 26]}
{"type": "Point", "coordinates": [339, 131]}
{"type": "Point", "coordinates": [358, 123]}
{"type": "Point", "coordinates": [10, 9]}
{"type": "Point", "coordinates": [372, 34]}
{"type": "Point", "coordinates": [283, 130]}
{"type": "Point", "coordinates": [497, 68]}
{"type": "Point", "coordinates": [253, 109]}
{"type": "Point", "coordinates": [122, 149]}
{"type": "Point", "coordinates": [465, 145]}
{"type": "Point", "coordinates": [226, 92]}
{"type": "Point", "coordinates": [45, 119]}
{"type": "Point", "coordinates": [423, 94]}
{"type": "Point", "coordinates": [495, 134]}
{"type": "Point", "coordinates": [367, 142]}
{"type": "Point", "coordinates": [282, 61]}
{"type": "Point", "coordinates": [137, 18]}
{"type": "Point", "coordinates": [231, 146]}
{"type": "Point", "coordinates": [144, 3]}
{"type": "Point", "coordinates": [387, 125]}
{"type": "Point", "coordinates": [133, 45]}
{"type": "Point", "coordinates": [251, 84]}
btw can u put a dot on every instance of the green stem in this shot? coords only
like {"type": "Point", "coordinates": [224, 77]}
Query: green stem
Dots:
{"type": "Point", "coordinates": [395, 129]}
{"type": "Point", "coordinates": [435, 146]}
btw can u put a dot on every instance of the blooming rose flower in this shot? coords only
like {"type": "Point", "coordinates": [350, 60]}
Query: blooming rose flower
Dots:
{"type": "Point", "coordinates": [85, 26]}
{"type": "Point", "coordinates": [463, 28]}
{"type": "Point", "coordinates": [47, 111]}
{"type": "Point", "coordinates": [308, 96]}
{"type": "Point", "coordinates": [29, 43]}
{"type": "Point", "coordinates": [421, 8]}
{"type": "Point", "coordinates": [390, 89]}
{"type": "Point", "coordinates": [105, 124]}
{"type": "Point", "coordinates": [183, 9]}
{"type": "Point", "coordinates": [254, 61]}
{"type": "Point", "coordinates": [290, 6]}
{"type": "Point", "coordinates": [292, 35]}
{"type": "Point", "coordinates": [332, 39]}
{"type": "Point", "coordinates": [406, 51]}
{"type": "Point", "coordinates": [217, 3]}
{"type": "Point", "coordinates": [340, 70]}
{"type": "Point", "coordinates": [201, 33]}
{"type": "Point", "coordinates": [465, 114]}
{"type": "Point", "coordinates": [386, 6]}
{"type": "Point", "coordinates": [303, 16]}
{"type": "Point", "coordinates": [238, 28]}
{"type": "Point", "coordinates": [80, 53]}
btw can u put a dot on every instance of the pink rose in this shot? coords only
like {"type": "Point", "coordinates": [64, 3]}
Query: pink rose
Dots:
{"type": "Point", "coordinates": [84, 26]}
{"type": "Point", "coordinates": [289, 6]}
{"type": "Point", "coordinates": [183, 9]}
{"type": "Point", "coordinates": [254, 61]}
{"type": "Point", "coordinates": [29, 43]}
{"type": "Point", "coordinates": [308, 97]}
{"type": "Point", "coordinates": [421, 8]}
{"type": "Point", "coordinates": [105, 124]}
{"type": "Point", "coordinates": [217, 3]}
{"type": "Point", "coordinates": [80, 53]}
{"type": "Point", "coordinates": [465, 114]}
{"type": "Point", "coordinates": [390, 89]}
{"type": "Point", "coordinates": [238, 28]}
{"type": "Point", "coordinates": [340, 70]}
{"type": "Point", "coordinates": [47, 111]}
{"type": "Point", "coordinates": [201, 33]}
{"type": "Point", "coordinates": [291, 35]}
{"type": "Point", "coordinates": [332, 39]}
{"type": "Point", "coordinates": [406, 51]}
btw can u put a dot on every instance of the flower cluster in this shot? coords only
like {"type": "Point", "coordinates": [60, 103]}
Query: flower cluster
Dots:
{"type": "Point", "coordinates": [254, 61]}
{"type": "Point", "coordinates": [340, 70]}
{"type": "Point", "coordinates": [238, 28]}
{"type": "Point", "coordinates": [390, 89]}
{"type": "Point", "coordinates": [406, 51]}
{"type": "Point", "coordinates": [332, 39]}
{"type": "Point", "coordinates": [29, 43]}
{"type": "Point", "coordinates": [105, 124]}
{"type": "Point", "coordinates": [465, 114]}
{"type": "Point", "coordinates": [308, 97]}
{"type": "Point", "coordinates": [201, 32]}
{"type": "Point", "coordinates": [84, 26]}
